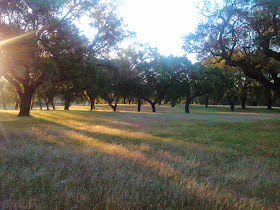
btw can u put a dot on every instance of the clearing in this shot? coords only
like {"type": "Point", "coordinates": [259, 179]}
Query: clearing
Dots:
{"type": "Point", "coordinates": [210, 158]}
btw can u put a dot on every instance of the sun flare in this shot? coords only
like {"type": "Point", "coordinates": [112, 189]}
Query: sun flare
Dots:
{"type": "Point", "coordinates": [16, 38]}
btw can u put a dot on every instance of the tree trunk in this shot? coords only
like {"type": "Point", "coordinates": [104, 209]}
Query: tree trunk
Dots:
{"type": "Point", "coordinates": [32, 101]}
{"type": "Point", "coordinates": [187, 106]}
{"type": "Point", "coordinates": [129, 101]}
{"type": "Point", "coordinates": [231, 103]}
{"type": "Point", "coordinates": [25, 101]}
{"type": "Point", "coordinates": [124, 100]}
{"type": "Point", "coordinates": [52, 103]}
{"type": "Point", "coordinates": [40, 102]}
{"type": "Point", "coordinates": [269, 103]}
{"type": "Point", "coordinates": [47, 104]}
{"type": "Point", "coordinates": [232, 107]}
{"type": "Point", "coordinates": [92, 106]}
{"type": "Point", "coordinates": [91, 100]}
{"type": "Point", "coordinates": [114, 107]}
{"type": "Point", "coordinates": [153, 106]}
{"type": "Point", "coordinates": [17, 104]}
{"type": "Point", "coordinates": [206, 101]}
{"type": "Point", "coordinates": [269, 99]}
{"type": "Point", "coordinates": [67, 104]}
{"type": "Point", "coordinates": [17, 100]}
{"type": "Point", "coordinates": [139, 104]}
{"type": "Point", "coordinates": [243, 101]}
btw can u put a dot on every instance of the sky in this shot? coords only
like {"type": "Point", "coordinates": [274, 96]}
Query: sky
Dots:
{"type": "Point", "coordinates": [161, 23]}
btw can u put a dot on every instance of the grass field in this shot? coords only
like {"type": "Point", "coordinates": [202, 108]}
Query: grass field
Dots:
{"type": "Point", "coordinates": [211, 158]}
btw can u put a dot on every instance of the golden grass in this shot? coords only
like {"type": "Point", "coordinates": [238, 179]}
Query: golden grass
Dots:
{"type": "Point", "coordinates": [81, 159]}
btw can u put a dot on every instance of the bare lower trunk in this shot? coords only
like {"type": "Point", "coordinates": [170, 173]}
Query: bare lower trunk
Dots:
{"type": "Point", "coordinates": [17, 104]}
{"type": "Point", "coordinates": [187, 107]}
{"type": "Point", "coordinates": [40, 102]}
{"type": "Point", "coordinates": [269, 99]}
{"type": "Point", "coordinates": [232, 107]}
{"type": "Point", "coordinates": [17, 101]}
{"type": "Point", "coordinates": [92, 106]}
{"type": "Point", "coordinates": [153, 106]}
{"type": "Point", "coordinates": [32, 101]}
{"type": "Point", "coordinates": [53, 106]}
{"type": "Point", "coordinates": [25, 102]}
{"type": "Point", "coordinates": [269, 103]}
{"type": "Point", "coordinates": [114, 107]}
{"type": "Point", "coordinates": [67, 104]}
{"type": "Point", "coordinates": [231, 103]}
{"type": "Point", "coordinates": [243, 102]}
{"type": "Point", "coordinates": [139, 105]}
{"type": "Point", "coordinates": [47, 104]}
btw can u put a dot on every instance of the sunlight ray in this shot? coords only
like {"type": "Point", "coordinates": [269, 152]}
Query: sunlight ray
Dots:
{"type": "Point", "coordinates": [11, 40]}
{"type": "Point", "coordinates": [201, 190]}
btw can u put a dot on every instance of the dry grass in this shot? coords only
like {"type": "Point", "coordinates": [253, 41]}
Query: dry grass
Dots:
{"type": "Point", "coordinates": [80, 159]}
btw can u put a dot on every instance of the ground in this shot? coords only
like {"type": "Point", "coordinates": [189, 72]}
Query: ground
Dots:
{"type": "Point", "coordinates": [211, 158]}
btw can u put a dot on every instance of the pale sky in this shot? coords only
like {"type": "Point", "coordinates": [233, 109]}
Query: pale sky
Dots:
{"type": "Point", "coordinates": [161, 23]}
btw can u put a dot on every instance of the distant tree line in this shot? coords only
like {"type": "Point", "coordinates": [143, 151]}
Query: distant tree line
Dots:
{"type": "Point", "coordinates": [143, 76]}
{"type": "Point", "coordinates": [43, 56]}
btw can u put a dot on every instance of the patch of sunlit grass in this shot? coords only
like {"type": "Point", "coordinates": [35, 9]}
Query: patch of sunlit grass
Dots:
{"type": "Point", "coordinates": [100, 159]}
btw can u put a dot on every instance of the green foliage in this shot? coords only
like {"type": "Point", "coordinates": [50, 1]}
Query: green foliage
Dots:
{"type": "Point", "coordinates": [115, 80]}
{"type": "Point", "coordinates": [7, 93]}
{"type": "Point", "coordinates": [40, 41]}
{"type": "Point", "coordinates": [244, 34]}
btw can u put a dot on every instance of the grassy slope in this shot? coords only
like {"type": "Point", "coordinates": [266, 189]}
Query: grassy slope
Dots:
{"type": "Point", "coordinates": [210, 158]}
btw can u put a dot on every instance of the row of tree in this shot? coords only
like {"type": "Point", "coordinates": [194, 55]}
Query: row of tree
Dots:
{"type": "Point", "coordinates": [140, 75]}
{"type": "Point", "coordinates": [43, 53]}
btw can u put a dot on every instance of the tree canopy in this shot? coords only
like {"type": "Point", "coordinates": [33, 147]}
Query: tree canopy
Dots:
{"type": "Point", "coordinates": [246, 34]}
{"type": "Point", "coordinates": [39, 41]}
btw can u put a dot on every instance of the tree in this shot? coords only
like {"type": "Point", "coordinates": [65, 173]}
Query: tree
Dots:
{"type": "Point", "coordinates": [29, 30]}
{"type": "Point", "coordinates": [156, 76]}
{"type": "Point", "coordinates": [40, 41]}
{"type": "Point", "coordinates": [48, 91]}
{"type": "Point", "coordinates": [178, 72]}
{"type": "Point", "coordinates": [8, 94]}
{"type": "Point", "coordinates": [138, 55]}
{"type": "Point", "coordinates": [194, 84]}
{"type": "Point", "coordinates": [114, 81]}
{"type": "Point", "coordinates": [70, 90]}
{"type": "Point", "coordinates": [217, 82]}
{"type": "Point", "coordinates": [243, 33]}
{"type": "Point", "coordinates": [91, 87]}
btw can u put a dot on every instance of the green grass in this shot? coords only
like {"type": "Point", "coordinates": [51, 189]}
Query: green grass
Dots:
{"type": "Point", "coordinates": [211, 158]}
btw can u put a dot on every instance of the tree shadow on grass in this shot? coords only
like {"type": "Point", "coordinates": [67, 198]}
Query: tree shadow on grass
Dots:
{"type": "Point", "coordinates": [154, 171]}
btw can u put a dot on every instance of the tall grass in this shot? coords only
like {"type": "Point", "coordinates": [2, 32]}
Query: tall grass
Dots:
{"type": "Point", "coordinates": [210, 158]}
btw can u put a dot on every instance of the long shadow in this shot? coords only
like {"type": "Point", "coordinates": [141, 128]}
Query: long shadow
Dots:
{"type": "Point", "coordinates": [119, 123]}
{"type": "Point", "coordinates": [187, 161]}
{"type": "Point", "coordinates": [170, 145]}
